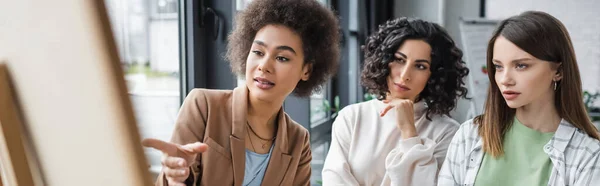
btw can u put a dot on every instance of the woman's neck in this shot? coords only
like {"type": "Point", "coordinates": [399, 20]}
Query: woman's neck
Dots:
{"type": "Point", "coordinates": [263, 115]}
{"type": "Point", "coordinates": [540, 116]}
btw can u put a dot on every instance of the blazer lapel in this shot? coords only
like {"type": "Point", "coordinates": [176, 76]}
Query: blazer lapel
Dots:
{"type": "Point", "coordinates": [280, 157]}
{"type": "Point", "coordinates": [236, 140]}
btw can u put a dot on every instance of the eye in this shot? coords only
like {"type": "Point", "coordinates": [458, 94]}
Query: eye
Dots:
{"type": "Point", "coordinates": [282, 59]}
{"type": "Point", "coordinates": [497, 67]}
{"type": "Point", "coordinates": [398, 60]}
{"type": "Point", "coordinates": [259, 53]}
{"type": "Point", "coordinates": [421, 67]}
{"type": "Point", "coordinates": [521, 66]}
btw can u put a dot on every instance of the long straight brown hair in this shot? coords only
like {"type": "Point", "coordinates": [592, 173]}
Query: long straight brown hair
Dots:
{"type": "Point", "coordinates": [546, 38]}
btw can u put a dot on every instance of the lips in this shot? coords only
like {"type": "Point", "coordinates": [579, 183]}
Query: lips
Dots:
{"type": "Point", "coordinates": [401, 87]}
{"type": "Point", "coordinates": [263, 83]}
{"type": "Point", "coordinates": [510, 95]}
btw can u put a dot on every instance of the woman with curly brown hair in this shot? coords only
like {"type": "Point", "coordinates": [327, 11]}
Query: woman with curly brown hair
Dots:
{"type": "Point", "coordinates": [415, 69]}
{"type": "Point", "coordinates": [243, 137]}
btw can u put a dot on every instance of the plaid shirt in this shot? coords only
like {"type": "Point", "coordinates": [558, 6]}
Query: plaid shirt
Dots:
{"type": "Point", "coordinates": [574, 155]}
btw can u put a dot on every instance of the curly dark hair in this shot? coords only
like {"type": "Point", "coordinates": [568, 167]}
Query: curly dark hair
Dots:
{"type": "Point", "coordinates": [316, 25]}
{"type": "Point", "coordinates": [445, 85]}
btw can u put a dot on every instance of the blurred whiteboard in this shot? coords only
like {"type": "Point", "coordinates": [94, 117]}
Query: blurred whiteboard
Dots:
{"type": "Point", "coordinates": [475, 34]}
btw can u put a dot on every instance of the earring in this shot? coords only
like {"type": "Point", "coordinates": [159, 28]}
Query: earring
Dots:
{"type": "Point", "coordinates": [554, 85]}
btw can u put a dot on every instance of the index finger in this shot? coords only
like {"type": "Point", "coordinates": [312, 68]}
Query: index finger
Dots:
{"type": "Point", "coordinates": [386, 109]}
{"type": "Point", "coordinates": [166, 147]}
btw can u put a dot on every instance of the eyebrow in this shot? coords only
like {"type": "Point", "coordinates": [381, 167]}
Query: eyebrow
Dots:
{"type": "Point", "coordinates": [514, 61]}
{"type": "Point", "coordinates": [418, 60]}
{"type": "Point", "coordinates": [283, 47]}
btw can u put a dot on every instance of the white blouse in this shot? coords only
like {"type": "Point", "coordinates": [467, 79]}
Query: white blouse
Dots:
{"type": "Point", "coordinates": [367, 149]}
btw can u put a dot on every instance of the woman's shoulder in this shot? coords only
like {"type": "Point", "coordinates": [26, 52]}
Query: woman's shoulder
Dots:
{"type": "Point", "coordinates": [469, 126]}
{"type": "Point", "coordinates": [208, 98]}
{"type": "Point", "coordinates": [580, 146]}
{"type": "Point", "coordinates": [354, 114]}
{"type": "Point", "coordinates": [295, 131]}
{"type": "Point", "coordinates": [199, 101]}
{"type": "Point", "coordinates": [582, 139]}
{"type": "Point", "coordinates": [366, 107]}
{"type": "Point", "coordinates": [209, 94]}
{"type": "Point", "coordinates": [467, 134]}
{"type": "Point", "coordinates": [444, 121]}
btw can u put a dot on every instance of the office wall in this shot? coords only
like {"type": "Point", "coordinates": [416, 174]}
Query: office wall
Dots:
{"type": "Point", "coordinates": [423, 9]}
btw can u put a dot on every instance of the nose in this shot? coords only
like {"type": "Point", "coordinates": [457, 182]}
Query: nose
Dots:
{"type": "Point", "coordinates": [405, 73]}
{"type": "Point", "coordinates": [265, 65]}
{"type": "Point", "coordinates": [505, 78]}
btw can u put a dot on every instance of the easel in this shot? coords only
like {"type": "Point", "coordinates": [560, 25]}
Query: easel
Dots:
{"type": "Point", "coordinates": [65, 114]}
{"type": "Point", "coordinates": [13, 154]}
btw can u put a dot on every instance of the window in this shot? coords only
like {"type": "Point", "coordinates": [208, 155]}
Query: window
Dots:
{"type": "Point", "coordinates": [164, 9]}
{"type": "Point", "coordinates": [319, 107]}
{"type": "Point", "coordinates": [147, 37]}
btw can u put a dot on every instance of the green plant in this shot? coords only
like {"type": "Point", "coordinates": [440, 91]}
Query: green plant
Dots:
{"type": "Point", "coordinates": [588, 100]}
{"type": "Point", "coordinates": [336, 104]}
{"type": "Point", "coordinates": [369, 96]}
{"type": "Point", "coordinates": [326, 107]}
{"type": "Point", "coordinates": [139, 68]}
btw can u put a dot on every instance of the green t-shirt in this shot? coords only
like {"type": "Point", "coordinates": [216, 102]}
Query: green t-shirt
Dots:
{"type": "Point", "coordinates": [523, 163]}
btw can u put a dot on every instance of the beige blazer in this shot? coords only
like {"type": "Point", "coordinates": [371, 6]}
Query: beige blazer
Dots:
{"type": "Point", "coordinates": [218, 118]}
